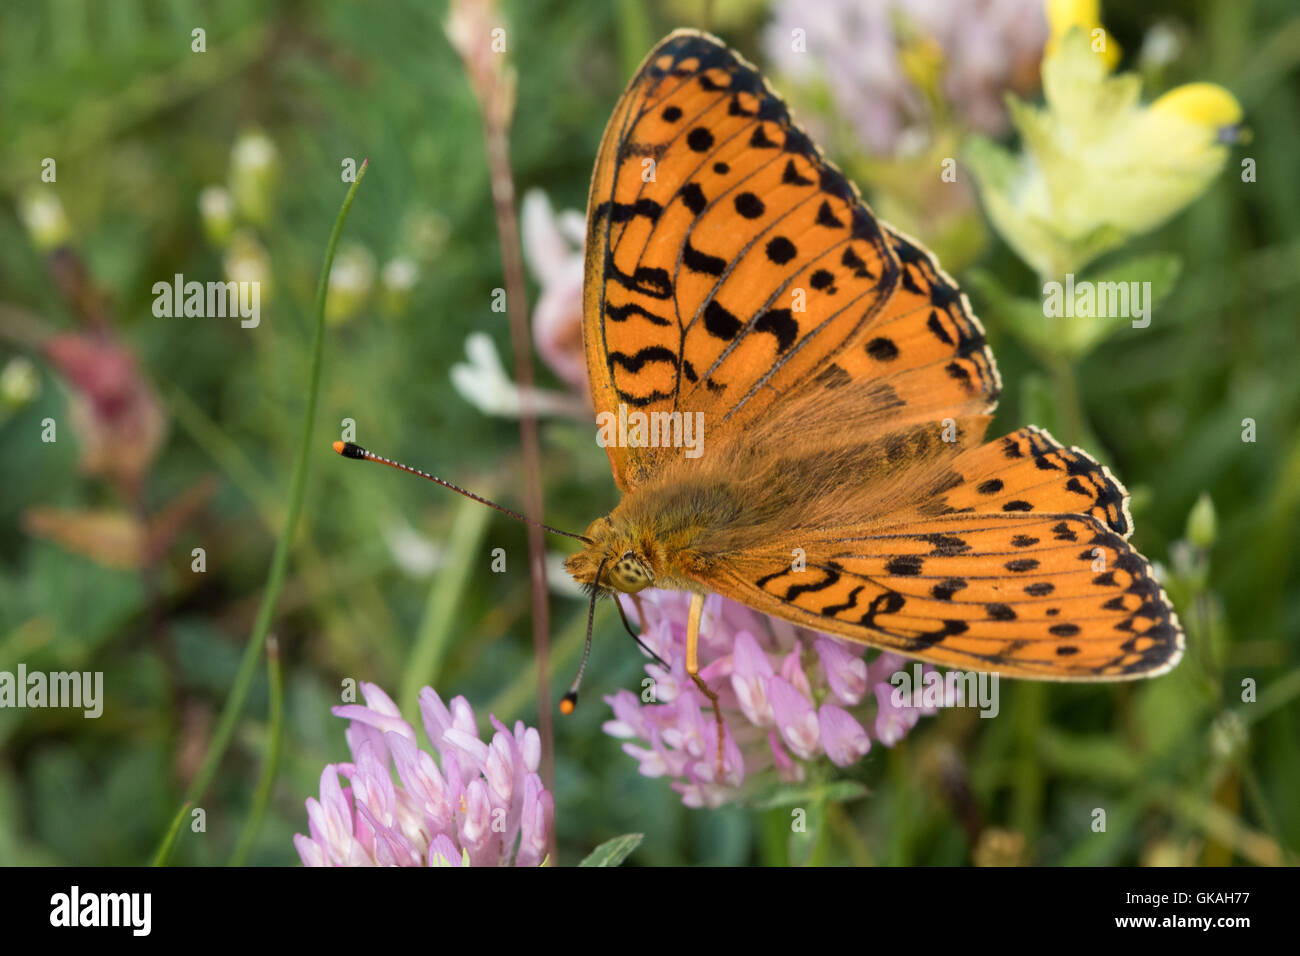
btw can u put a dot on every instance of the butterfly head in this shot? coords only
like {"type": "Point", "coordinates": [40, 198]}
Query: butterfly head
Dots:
{"type": "Point", "coordinates": [629, 573]}
{"type": "Point", "coordinates": [614, 558]}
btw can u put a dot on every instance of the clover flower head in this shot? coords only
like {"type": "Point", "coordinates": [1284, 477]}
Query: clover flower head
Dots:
{"type": "Point", "coordinates": [481, 804]}
{"type": "Point", "coordinates": [789, 698]}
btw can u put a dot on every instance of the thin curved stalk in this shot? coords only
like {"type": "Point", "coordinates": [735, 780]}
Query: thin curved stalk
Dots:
{"type": "Point", "coordinates": [280, 561]}
{"type": "Point", "coordinates": [271, 765]}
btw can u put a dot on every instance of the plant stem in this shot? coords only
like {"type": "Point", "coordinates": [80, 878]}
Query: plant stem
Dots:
{"type": "Point", "coordinates": [1070, 415]}
{"type": "Point", "coordinates": [169, 838]}
{"type": "Point", "coordinates": [271, 765]}
{"type": "Point", "coordinates": [280, 561]}
{"type": "Point", "coordinates": [1075, 429]}
{"type": "Point", "coordinates": [496, 135]}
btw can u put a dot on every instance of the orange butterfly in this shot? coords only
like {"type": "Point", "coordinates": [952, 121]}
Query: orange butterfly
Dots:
{"type": "Point", "coordinates": [845, 387]}
{"type": "Point", "coordinates": [734, 277]}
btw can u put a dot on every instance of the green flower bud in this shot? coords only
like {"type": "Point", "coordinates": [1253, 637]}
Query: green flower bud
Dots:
{"type": "Point", "coordinates": [19, 382]}
{"type": "Point", "coordinates": [1202, 523]}
{"type": "Point", "coordinates": [42, 214]}
{"type": "Point", "coordinates": [352, 277]}
{"type": "Point", "coordinates": [217, 213]}
{"type": "Point", "coordinates": [254, 171]}
{"type": "Point", "coordinates": [397, 279]}
{"type": "Point", "coordinates": [246, 260]}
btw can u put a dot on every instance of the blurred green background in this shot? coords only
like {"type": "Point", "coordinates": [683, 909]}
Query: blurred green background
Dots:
{"type": "Point", "coordinates": [95, 566]}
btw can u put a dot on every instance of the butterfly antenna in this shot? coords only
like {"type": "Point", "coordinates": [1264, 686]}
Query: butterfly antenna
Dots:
{"type": "Point", "coordinates": [640, 643]}
{"type": "Point", "coordinates": [348, 450]}
{"type": "Point", "coordinates": [569, 702]}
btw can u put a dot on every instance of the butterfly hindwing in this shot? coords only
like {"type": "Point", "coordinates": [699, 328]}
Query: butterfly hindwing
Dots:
{"type": "Point", "coordinates": [1029, 471]}
{"type": "Point", "coordinates": [1044, 596]}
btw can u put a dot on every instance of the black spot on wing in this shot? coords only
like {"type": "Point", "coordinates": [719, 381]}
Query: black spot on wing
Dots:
{"type": "Point", "coordinates": [720, 323]}
{"type": "Point", "coordinates": [702, 262]}
{"type": "Point", "coordinates": [889, 602]}
{"type": "Point", "coordinates": [944, 590]}
{"type": "Point", "coordinates": [781, 250]}
{"type": "Point", "coordinates": [906, 565]}
{"type": "Point", "coordinates": [749, 205]}
{"type": "Point", "coordinates": [693, 197]}
{"type": "Point", "coordinates": [651, 353]}
{"type": "Point", "coordinates": [626, 211]}
{"type": "Point", "coordinates": [930, 638]}
{"type": "Point", "coordinates": [646, 280]}
{"type": "Point", "coordinates": [699, 139]}
{"type": "Point", "coordinates": [791, 176]}
{"type": "Point", "coordinates": [780, 324]}
{"type": "Point", "coordinates": [827, 218]}
{"type": "Point", "coordinates": [936, 327]}
{"type": "Point", "coordinates": [882, 349]}
{"type": "Point", "coordinates": [831, 610]}
{"type": "Point", "coordinates": [620, 313]}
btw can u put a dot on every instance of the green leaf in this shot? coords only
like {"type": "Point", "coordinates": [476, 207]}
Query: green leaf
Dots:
{"type": "Point", "coordinates": [1038, 402]}
{"type": "Point", "coordinates": [1075, 335]}
{"type": "Point", "coordinates": [615, 851]}
{"type": "Point", "coordinates": [1155, 276]}
{"type": "Point", "coordinates": [1092, 757]}
{"type": "Point", "coordinates": [169, 838]}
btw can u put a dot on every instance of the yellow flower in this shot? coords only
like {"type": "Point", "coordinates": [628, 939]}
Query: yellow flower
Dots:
{"type": "Point", "coordinates": [1097, 165]}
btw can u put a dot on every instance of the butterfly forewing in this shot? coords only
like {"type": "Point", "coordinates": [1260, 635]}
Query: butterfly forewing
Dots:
{"type": "Point", "coordinates": [727, 261]}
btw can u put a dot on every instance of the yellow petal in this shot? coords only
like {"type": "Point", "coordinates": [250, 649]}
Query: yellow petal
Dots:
{"type": "Point", "coordinates": [1206, 104]}
{"type": "Point", "coordinates": [1064, 15]}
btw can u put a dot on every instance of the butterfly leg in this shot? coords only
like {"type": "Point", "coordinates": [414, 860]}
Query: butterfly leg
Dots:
{"type": "Point", "coordinates": [693, 666]}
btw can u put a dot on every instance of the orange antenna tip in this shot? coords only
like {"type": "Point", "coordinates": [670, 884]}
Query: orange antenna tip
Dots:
{"type": "Point", "coordinates": [568, 703]}
{"type": "Point", "coordinates": [338, 447]}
